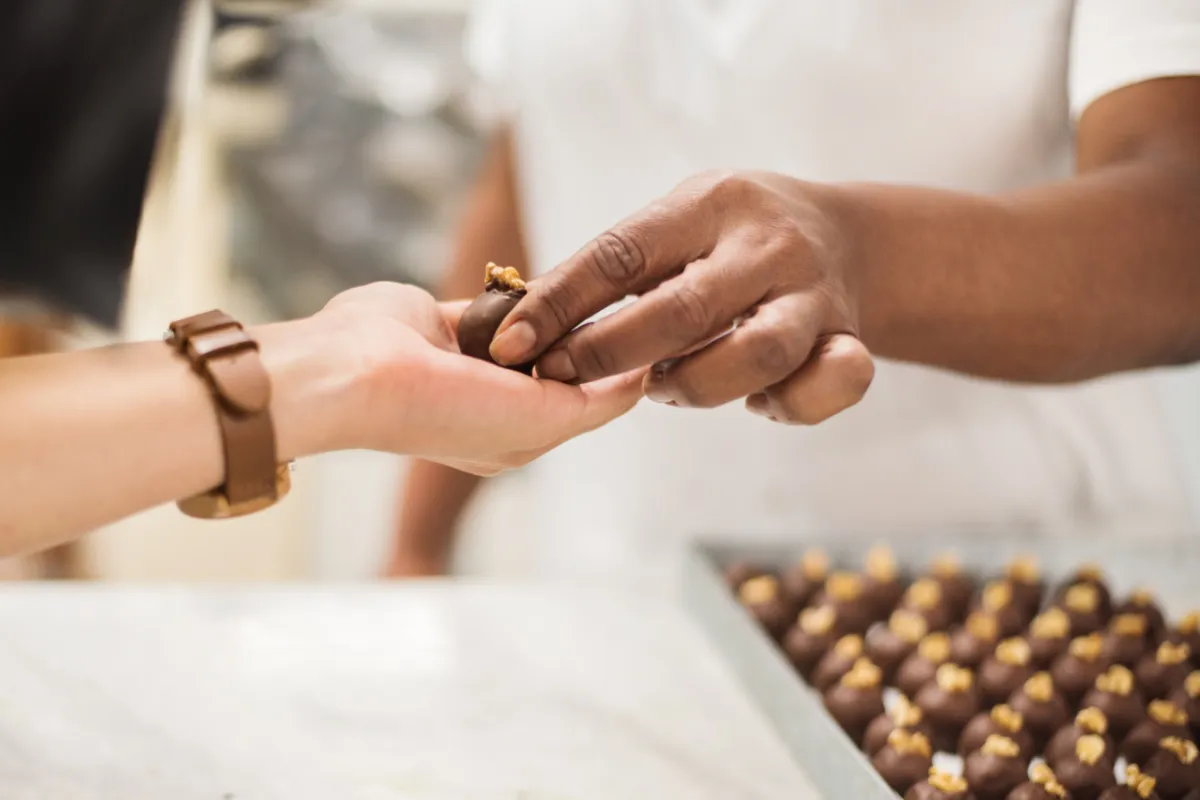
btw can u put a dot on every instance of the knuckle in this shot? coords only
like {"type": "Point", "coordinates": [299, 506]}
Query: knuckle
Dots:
{"type": "Point", "coordinates": [857, 370]}
{"type": "Point", "coordinates": [617, 259]}
{"type": "Point", "coordinates": [558, 297]}
{"type": "Point", "coordinates": [727, 188]}
{"type": "Point", "coordinates": [774, 355]}
{"type": "Point", "coordinates": [689, 311]}
{"type": "Point", "coordinates": [591, 359]}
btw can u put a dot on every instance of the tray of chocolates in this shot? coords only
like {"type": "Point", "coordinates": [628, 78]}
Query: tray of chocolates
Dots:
{"type": "Point", "coordinates": [970, 668]}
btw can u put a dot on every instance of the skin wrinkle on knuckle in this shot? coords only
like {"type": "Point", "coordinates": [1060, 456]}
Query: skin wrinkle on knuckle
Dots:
{"type": "Point", "coordinates": [690, 312]}
{"type": "Point", "coordinates": [591, 358]}
{"type": "Point", "coordinates": [617, 259]}
{"type": "Point", "coordinates": [557, 297]}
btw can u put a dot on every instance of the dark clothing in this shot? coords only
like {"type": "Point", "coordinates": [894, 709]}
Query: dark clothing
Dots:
{"type": "Point", "coordinates": [82, 92]}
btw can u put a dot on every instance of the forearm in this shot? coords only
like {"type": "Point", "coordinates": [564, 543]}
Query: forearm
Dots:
{"type": "Point", "coordinates": [433, 499]}
{"type": "Point", "coordinates": [1096, 274]}
{"type": "Point", "coordinates": [97, 435]}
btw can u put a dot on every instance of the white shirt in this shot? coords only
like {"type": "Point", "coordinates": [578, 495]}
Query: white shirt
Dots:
{"type": "Point", "coordinates": [616, 101]}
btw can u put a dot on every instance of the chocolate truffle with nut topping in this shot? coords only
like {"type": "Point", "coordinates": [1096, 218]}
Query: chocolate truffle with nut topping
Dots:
{"type": "Point", "coordinates": [904, 761]}
{"type": "Point", "coordinates": [844, 591]}
{"type": "Point", "coordinates": [974, 640]}
{"type": "Point", "coordinates": [997, 599]}
{"type": "Point", "coordinates": [1176, 768]}
{"type": "Point", "coordinates": [889, 644]}
{"type": "Point", "coordinates": [1025, 577]}
{"type": "Point", "coordinates": [925, 597]}
{"type": "Point", "coordinates": [995, 769]}
{"type": "Point", "coordinates": [1137, 786]}
{"type": "Point", "coordinates": [1092, 575]}
{"type": "Point", "coordinates": [940, 785]}
{"type": "Point", "coordinates": [1042, 706]}
{"type": "Point", "coordinates": [882, 587]}
{"type": "Point", "coordinates": [1187, 631]}
{"type": "Point", "coordinates": [956, 585]}
{"type": "Point", "coordinates": [1163, 719]}
{"type": "Point", "coordinates": [1042, 785]}
{"type": "Point", "coordinates": [949, 702]}
{"type": "Point", "coordinates": [764, 600]}
{"type": "Point", "coordinates": [1162, 672]}
{"type": "Point", "coordinates": [802, 580]}
{"type": "Point", "coordinates": [1187, 697]}
{"type": "Point", "coordinates": [1009, 666]}
{"type": "Point", "coordinates": [919, 668]}
{"type": "Point", "coordinates": [903, 715]}
{"type": "Point", "coordinates": [1087, 772]}
{"type": "Point", "coordinates": [856, 699]}
{"type": "Point", "coordinates": [1115, 695]}
{"type": "Point", "coordinates": [810, 638]}
{"type": "Point", "coordinates": [1088, 722]}
{"type": "Point", "coordinates": [1000, 720]}
{"type": "Point", "coordinates": [1049, 636]}
{"type": "Point", "coordinates": [1141, 602]}
{"type": "Point", "coordinates": [1075, 671]}
{"type": "Point", "coordinates": [837, 662]}
{"type": "Point", "coordinates": [1126, 640]}
{"type": "Point", "coordinates": [1081, 603]}
{"type": "Point", "coordinates": [503, 289]}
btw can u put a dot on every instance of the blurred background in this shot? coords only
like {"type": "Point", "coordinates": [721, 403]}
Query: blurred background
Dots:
{"type": "Point", "coordinates": [303, 154]}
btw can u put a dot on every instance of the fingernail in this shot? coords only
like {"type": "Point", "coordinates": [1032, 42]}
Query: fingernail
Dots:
{"type": "Point", "coordinates": [515, 345]}
{"type": "Point", "coordinates": [557, 366]}
{"type": "Point", "coordinates": [655, 385]}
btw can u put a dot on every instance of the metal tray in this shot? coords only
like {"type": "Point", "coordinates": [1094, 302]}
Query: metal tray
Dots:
{"type": "Point", "coordinates": [834, 764]}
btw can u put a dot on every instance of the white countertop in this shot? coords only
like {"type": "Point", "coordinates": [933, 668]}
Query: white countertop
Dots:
{"type": "Point", "coordinates": [436, 691]}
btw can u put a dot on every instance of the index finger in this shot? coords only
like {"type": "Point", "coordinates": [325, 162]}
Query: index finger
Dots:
{"type": "Point", "coordinates": [635, 255]}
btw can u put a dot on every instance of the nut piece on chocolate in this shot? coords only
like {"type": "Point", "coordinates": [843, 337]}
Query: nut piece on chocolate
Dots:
{"type": "Point", "coordinates": [837, 662]}
{"type": "Point", "coordinates": [1138, 786]}
{"type": "Point", "coordinates": [1176, 768]}
{"type": "Point", "coordinates": [1006, 670]}
{"type": "Point", "coordinates": [904, 761]}
{"type": "Point", "coordinates": [1187, 631]}
{"type": "Point", "coordinates": [888, 645]}
{"type": "Point", "coordinates": [1087, 772]}
{"type": "Point", "coordinates": [1126, 640]}
{"type": "Point", "coordinates": [882, 587]}
{"type": "Point", "coordinates": [503, 289]}
{"type": "Point", "coordinates": [940, 786]}
{"type": "Point", "coordinates": [764, 600]}
{"type": "Point", "coordinates": [1187, 697]}
{"type": "Point", "coordinates": [802, 580]}
{"type": "Point", "coordinates": [903, 715]}
{"type": "Point", "coordinates": [1091, 575]}
{"type": "Point", "coordinates": [996, 599]}
{"type": "Point", "coordinates": [810, 638]}
{"type": "Point", "coordinates": [1049, 635]}
{"type": "Point", "coordinates": [995, 769]}
{"type": "Point", "coordinates": [925, 597]}
{"type": "Point", "coordinates": [1025, 577]}
{"type": "Point", "coordinates": [1114, 694]}
{"type": "Point", "coordinates": [1042, 785]}
{"type": "Point", "coordinates": [1001, 720]}
{"type": "Point", "coordinates": [1042, 706]}
{"type": "Point", "coordinates": [856, 699]}
{"type": "Point", "coordinates": [1163, 719]}
{"type": "Point", "coordinates": [919, 668]}
{"type": "Point", "coordinates": [956, 585]}
{"type": "Point", "coordinates": [1088, 722]}
{"type": "Point", "coordinates": [1141, 602]}
{"type": "Point", "coordinates": [975, 639]}
{"type": "Point", "coordinates": [1082, 604]}
{"type": "Point", "coordinates": [1075, 671]}
{"type": "Point", "coordinates": [1163, 671]}
{"type": "Point", "coordinates": [949, 702]}
{"type": "Point", "coordinates": [844, 591]}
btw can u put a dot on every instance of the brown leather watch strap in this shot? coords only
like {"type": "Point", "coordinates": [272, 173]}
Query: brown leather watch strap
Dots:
{"type": "Point", "coordinates": [222, 353]}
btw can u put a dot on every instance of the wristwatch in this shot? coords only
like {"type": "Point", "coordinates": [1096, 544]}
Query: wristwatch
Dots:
{"type": "Point", "coordinates": [227, 358]}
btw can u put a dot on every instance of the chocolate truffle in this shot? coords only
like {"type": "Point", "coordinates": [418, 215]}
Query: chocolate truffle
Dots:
{"type": "Point", "coordinates": [888, 645]}
{"type": "Point", "coordinates": [1187, 631]}
{"type": "Point", "coordinates": [1141, 602]}
{"type": "Point", "coordinates": [956, 585]}
{"type": "Point", "coordinates": [1163, 671]}
{"type": "Point", "coordinates": [1042, 785]}
{"type": "Point", "coordinates": [739, 572]}
{"type": "Point", "coordinates": [1028, 587]}
{"type": "Point", "coordinates": [764, 600]}
{"type": "Point", "coordinates": [995, 769]}
{"type": "Point", "coordinates": [1076, 670]}
{"type": "Point", "coordinates": [904, 761]}
{"type": "Point", "coordinates": [1113, 693]}
{"type": "Point", "coordinates": [844, 591]}
{"type": "Point", "coordinates": [1088, 722]}
{"type": "Point", "coordinates": [949, 702]}
{"type": "Point", "coordinates": [1049, 635]}
{"type": "Point", "coordinates": [1091, 575]}
{"type": "Point", "coordinates": [1089, 770]}
{"type": "Point", "coordinates": [940, 786]}
{"type": "Point", "coordinates": [1126, 640]}
{"type": "Point", "coordinates": [1042, 706]}
{"type": "Point", "coordinates": [974, 640]}
{"type": "Point", "coordinates": [802, 580]}
{"type": "Point", "coordinates": [1005, 670]}
{"type": "Point", "coordinates": [1175, 767]}
{"type": "Point", "coordinates": [902, 715]}
{"type": "Point", "coordinates": [810, 638]}
{"type": "Point", "coordinates": [1081, 602]}
{"type": "Point", "coordinates": [856, 699]}
{"type": "Point", "coordinates": [1163, 719]}
{"type": "Point", "coordinates": [1000, 720]}
{"type": "Point", "coordinates": [925, 598]}
{"type": "Point", "coordinates": [1138, 786]}
{"type": "Point", "coordinates": [837, 662]}
{"type": "Point", "coordinates": [881, 583]}
{"type": "Point", "coordinates": [1187, 697]}
{"type": "Point", "coordinates": [997, 600]}
{"type": "Point", "coordinates": [503, 289]}
{"type": "Point", "coordinates": [919, 668]}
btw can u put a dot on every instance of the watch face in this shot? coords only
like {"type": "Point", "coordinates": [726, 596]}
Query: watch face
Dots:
{"type": "Point", "coordinates": [83, 88]}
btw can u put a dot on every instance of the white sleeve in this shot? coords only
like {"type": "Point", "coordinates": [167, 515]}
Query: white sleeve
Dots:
{"type": "Point", "coordinates": [1116, 43]}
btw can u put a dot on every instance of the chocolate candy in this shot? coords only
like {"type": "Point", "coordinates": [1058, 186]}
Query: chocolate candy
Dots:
{"type": "Point", "coordinates": [1087, 772]}
{"type": "Point", "coordinates": [881, 585]}
{"type": "Point", "coordinates": [1113, 693]}
{"type": "Point", "coordinates": [903, 715]}
{"type": "Point", "coordinates": [1163, 671]}
{"type": "Point", "coordinates": [1175, 767]}
{"type": "Point", "coordinates": [1088, 722]}
{"type": "Point", "coordinates": [1187, 631]}
{"type": "Point", "coordinates": [975, 640]}
{"type": "Point", "coordinates": [904, 761]}
{"type": "Point", "coordinates": [1081, 603]}
{"type": "Point", "coordinates": [810, 638]}
{"type": "Point", "coordinates": [1049, 635]}
{"type": "Point", "coordinates": [925, 598]}
{"type": "Point", "coordinates": [1126, 640]}
{"type": "Point", "coordinates": [837, 662]}
{"type": "Point", "coordinates": [856, 699]}
{"type": "Point", "coordinates": [503, 289]}
{"type": "Point", "coordinates": [844, 591]}
{"type": "Point", "coordinates": [888, 645]}
{"type": "Point", "coordinates": [1138, 786]}
{"type": "Point", "coordinates": [1187, 697]}
{"type": "Point", "coordinates": [764, 600]}
{"type": "Point", "coordinates": [1141, 602]}
{"type": "Point", "coordinates": [956, 586]}
{"type": "Point", "coordinates": [949, 702]}
{"type": "Point", "coordinates": [996, 599]}
{"type": "Point", "coordinates": [802, 580]}
{"type": "Point", "coordinates": [995, 769]}
{"type": "Point", "coordinates": [1005, 670]}
{"type": "Point", "coordinates": [940, 786]}
{"type": "Point", "coordinates": [1091, 575]}
{"type": "Point", "coordinates": [1001, 720]}
{"type": "Point", "coordinates": [1027, 585]}
{"type": "Point", "coordinates": [1042, 706]}
{"type": "Point", "coordinates": [1042, 785]}
{"type": "Point", "coordinates": [1075, 671]}
{"type": "Point", "coordinates": [1163, 719]}
{"type": "Point", "coordinates": [919, 668]}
